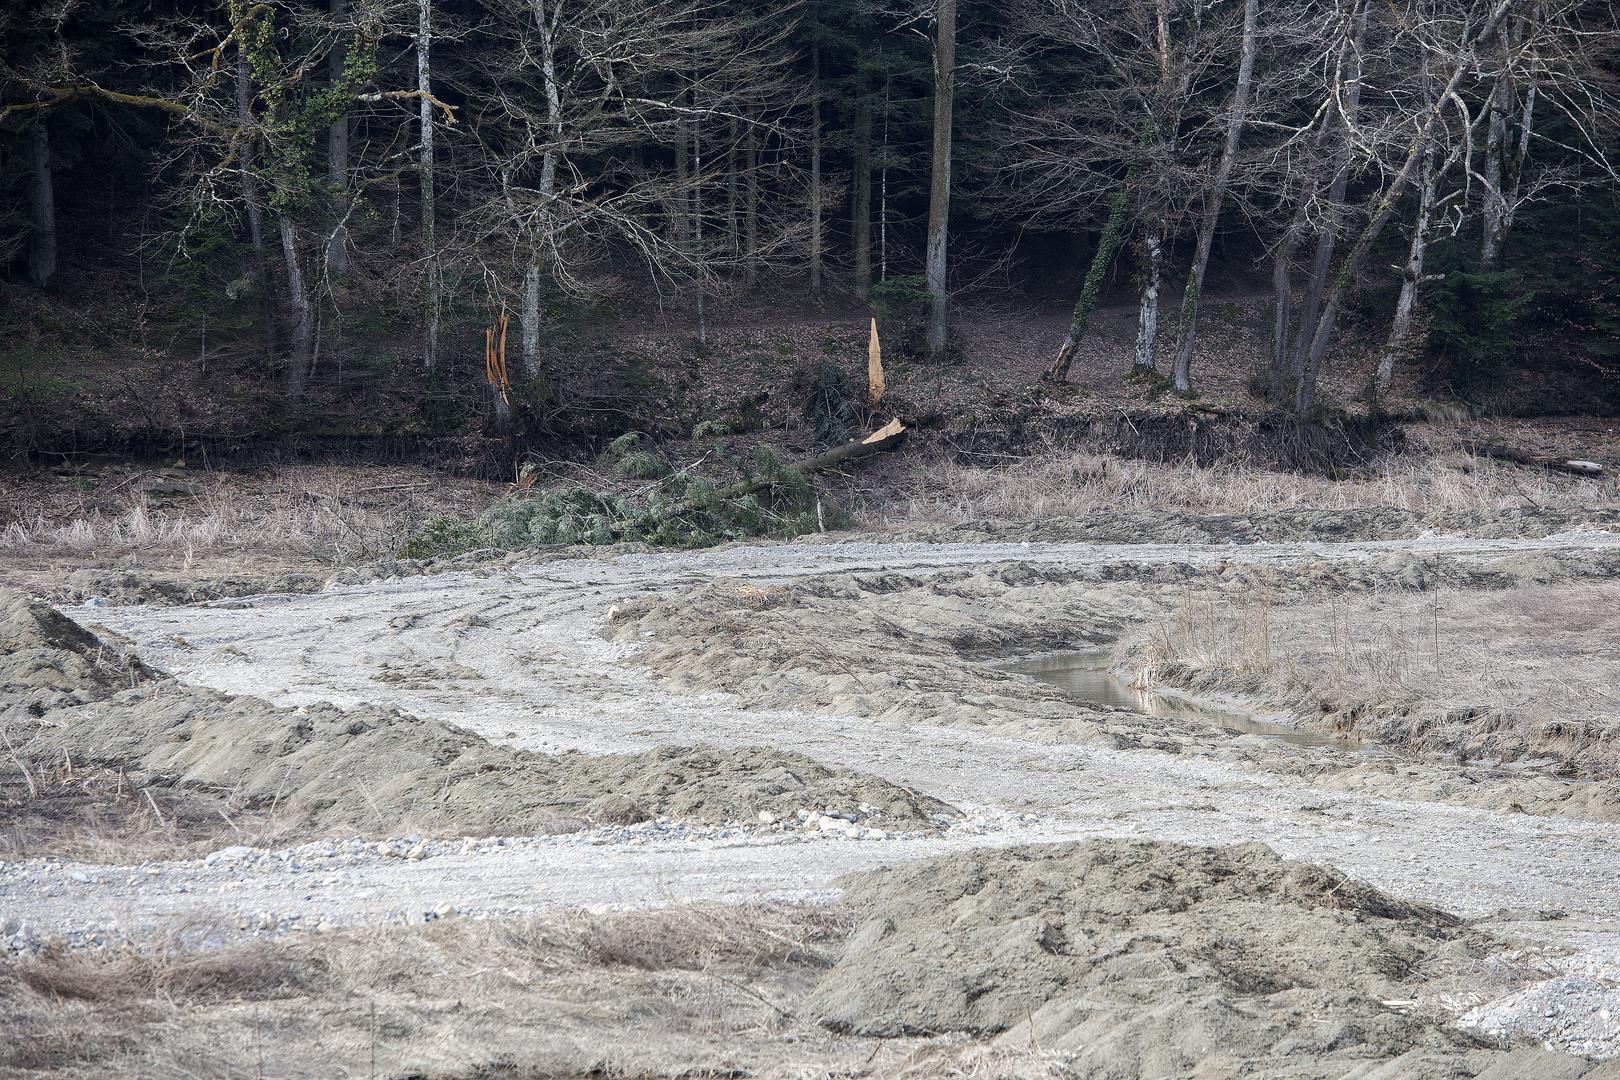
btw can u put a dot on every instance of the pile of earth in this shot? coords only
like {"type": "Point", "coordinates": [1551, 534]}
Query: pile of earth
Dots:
{"type": "Point", "coordinates": [65, 692]}
{"type": "Point", "coordinates": [1141, 959]}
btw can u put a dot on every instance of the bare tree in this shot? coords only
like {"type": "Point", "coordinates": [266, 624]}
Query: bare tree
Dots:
{"type": "Point", "coordinates": [41, 206]}
{"type": "Point", "coordinates": [1216, 196]}
{"type": "Point", "coordinates": [432, 278]}
{"type": "Point", "coordinates": [939, 188]}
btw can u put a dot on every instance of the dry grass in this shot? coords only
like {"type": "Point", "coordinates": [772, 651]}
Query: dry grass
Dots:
{"type": "Point", "coordinates": [112, 816]}
{"type": "Point", "coordinates": [677, 991]}
{"type": "Point", "coordinates": [1075, 485]}
{"type": "Point", "coordinates": [1528, 673]}
{"type": "Point", "coordinates": [326, 514]}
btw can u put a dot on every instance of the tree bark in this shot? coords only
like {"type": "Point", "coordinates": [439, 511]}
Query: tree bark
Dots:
{"type": "Point", "coordinates": [430, 243]}
{"type": "Point", "coordinates": [1384, 209]}
{"type": "Point", "coordinates": [41, 207]}
{"type": "Point", "coordinates": [815, 170]}
{"type": "Point", "coordinates": [1493, 208]}
{"type": "Point", "coordinates": [529, 314]}
{"type": "Point", "coordinates": [1214, 198]}
{"type": "Point", "coordinates": [1328, 237]}
{"type": "Point", "coordinates": [302, 311]}
{"type": "Point", "coordinates": [1412, 273]}
{"type": "Point", "coordinates": [337, 153]}
{"type": "Point", "coordinates": [1091, 289]}
{"type": "Point", "coordinates": [530, 321]}
{"type": "Point", "coordinates": [250, 197]}
{"type": "Point", "coordinates": [939, 192]}
{"type": "Point", "coordinates": [1147, 319]}
{"type": "Point", "coordinates": [861, 201]}
{"type": "Point", "coordinates": [750, 203]}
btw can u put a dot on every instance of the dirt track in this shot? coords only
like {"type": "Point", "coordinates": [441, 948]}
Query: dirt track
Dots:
{"type": "Point", "coordinates": [520, 656]}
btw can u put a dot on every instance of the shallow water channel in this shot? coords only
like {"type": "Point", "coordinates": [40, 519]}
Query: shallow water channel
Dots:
{"type": "Point", "coordinates": [1086, 676]}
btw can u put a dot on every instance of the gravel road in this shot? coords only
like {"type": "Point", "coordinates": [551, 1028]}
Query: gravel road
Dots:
{"type": "Point", "coordinates": [517, 656]}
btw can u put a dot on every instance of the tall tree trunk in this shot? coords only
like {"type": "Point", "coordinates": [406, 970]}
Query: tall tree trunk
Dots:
{"type": "Point", "coordinates": [697, 219]}
{"type": "Point", "coordinates": [250, 197]}
{"type": "Point", "coordinates": [1147, 319]}
{"type": "Point", "coordinates": [1384, 209]}
{"type": "Point", "coordinates": [861, 200]}
{"type": "Point", "coordinates": [883, 192]}
{"type": "Point", "coordinates": [301, 309]}
{"type": "Point", "coordinates": [530, 321]}
{"type": "Point", "coordinates": [683, 188]}
{"type": "Point", "coordinates": [529, 315]}
{"type": "Point", "coordinates": [939, 189]}
{"type": "Point", "coordinates": [41, 207]}
{"type": "Point", "coordinates": [750, 203]}
{"type": "Point", "coordinates": [1214, 198]}
{"type": "Point", "coordinates": [815, 170]}
{"type": "Point", "coordinates": [1328, 237]}
{"type": "Point", "coordinates": [337, 153]}
{"type": "Point", "coordinates": [1412, 273]}
{"type": "Point", "coordinates": [430, 240]}
{"type": "Point", "coordinates": [1091, 290]}
{"type": "Point", "coordinates": [1493, 209]}
{"type": "Point", "coordinates": [733, 195]}
{"type": "Point", "coordinates": [1411, 280]}
{"type": "Point", "coordinates": [1282, 312]}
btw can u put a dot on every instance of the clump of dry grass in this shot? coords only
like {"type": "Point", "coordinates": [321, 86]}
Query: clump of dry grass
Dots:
{"type": "Point", "coordinates": [1526, 673]}
{"type": "Point", "coordinates": [1073, 485]}
{"type": "Point", "coordinates": [323, 513]}
{"type": "Point", "coordinates": [676, 991]}
{"type": "Point", "coordinates": [105, 815]}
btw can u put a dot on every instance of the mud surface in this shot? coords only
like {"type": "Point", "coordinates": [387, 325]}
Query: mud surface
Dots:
{"type": "Point", "coordinates": [863, 658]}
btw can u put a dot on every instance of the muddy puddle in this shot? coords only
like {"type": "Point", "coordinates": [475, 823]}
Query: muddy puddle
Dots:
{"type": "Point", "coordinates": [1086, 676]}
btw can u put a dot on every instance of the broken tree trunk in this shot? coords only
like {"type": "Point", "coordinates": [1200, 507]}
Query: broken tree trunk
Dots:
{"type": "Point", "coordinates": [887, 437]}
{"type": "Point", "coordinates": [1498, 452]}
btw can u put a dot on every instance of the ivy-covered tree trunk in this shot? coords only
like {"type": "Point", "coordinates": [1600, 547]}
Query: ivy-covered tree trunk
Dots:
{"type": "Point", "coordinates": [939, 191]}
{"type": "Point", "coordinates": [41, 207]}
{"type": "Point", "coordinates": [1091, 290]}
{"type": "Point", "coordinates": [1214, 198]}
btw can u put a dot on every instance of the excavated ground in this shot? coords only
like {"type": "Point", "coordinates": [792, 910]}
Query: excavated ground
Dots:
{"type": "Point", "coordinates": [1053, 905]}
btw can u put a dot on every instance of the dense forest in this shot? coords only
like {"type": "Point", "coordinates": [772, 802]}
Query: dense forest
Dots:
{"type": "Point", "coordinates": [325, 192]}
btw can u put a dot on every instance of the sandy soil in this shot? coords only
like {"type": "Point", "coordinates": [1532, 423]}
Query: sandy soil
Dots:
{"type": "Point", "coordinates": [855, 654]}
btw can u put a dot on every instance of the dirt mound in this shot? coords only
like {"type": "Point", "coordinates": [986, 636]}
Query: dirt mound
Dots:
{"type": "Point", "coordinates": [1144, 959]}
{"type": "Point", "coordinates": [373, 769]}
{"type": "Point", "coordinates": [47, 660]}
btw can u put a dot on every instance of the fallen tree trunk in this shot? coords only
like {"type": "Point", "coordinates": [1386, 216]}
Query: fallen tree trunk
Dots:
{"type": "Point", "coordinates": [1498, 452]}
{"type": "Point", "coordinates": [887, 437]}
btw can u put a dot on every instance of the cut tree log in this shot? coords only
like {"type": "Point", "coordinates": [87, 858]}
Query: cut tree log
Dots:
{"type": "Point", "coordinates": [1577, 466]}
